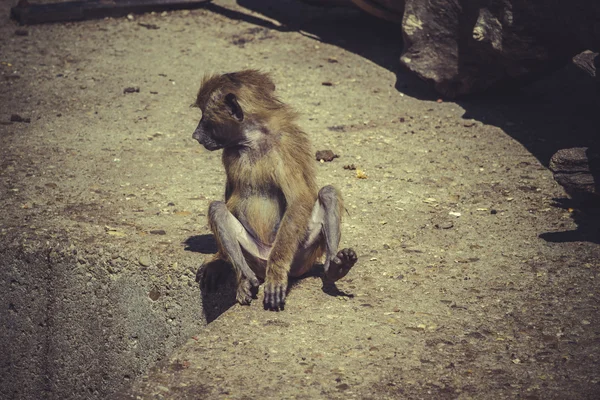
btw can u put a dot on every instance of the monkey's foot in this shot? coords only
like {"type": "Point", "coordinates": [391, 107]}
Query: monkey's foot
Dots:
{"type": "Point", "coordinates": [275, 295]}
{"type": "Point", "coordinates": [244, 293]}
{"type": "Point", "coordinates": [340, 265]}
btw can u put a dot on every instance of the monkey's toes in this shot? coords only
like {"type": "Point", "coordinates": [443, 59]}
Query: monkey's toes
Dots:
{"type": "Point", "coordinates": [341, 264]}
{"type": "Point", "coordinates": [254, 282]}
{"type": "Point", "coordinates": [346, 258]}
{"type": "Point", "coordinates": [244, 293]}
{"type": "Point", "coordinates": [275, 295]}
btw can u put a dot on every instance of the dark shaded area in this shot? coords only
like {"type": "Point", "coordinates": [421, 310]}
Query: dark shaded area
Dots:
{"type": "Point", "coordinates": [475, 45]}
{"type": "Point", "coordinates": [28, 13]}
{"type": "Point", "coordinates": [329, 288]}
{"type": "Point", "coordinates": [585, 211]}
{"type": "Point", "coordinates": [218, 295]}
{"type": "Point", "coordinates": [215, 303]}
{"type": "Point", "coordinates": [216, 281]}
{"type": "Point", "coordinates": [205, 244]}
{"type": "Point", "coordinates": [559, 110]}
{"type": "Point", "coordinates": [332, 290]}
{"type": "Point", "coordinates": [349, 28]}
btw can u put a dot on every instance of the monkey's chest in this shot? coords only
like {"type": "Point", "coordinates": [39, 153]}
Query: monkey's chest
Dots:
{"type": "Point", "coordinates": [260, 215]}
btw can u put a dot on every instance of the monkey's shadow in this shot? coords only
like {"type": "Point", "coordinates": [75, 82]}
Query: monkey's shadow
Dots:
{"type": "Point", "coordinates": [215, 303]}
{"type": "Point", "coordinates": [205, 244]}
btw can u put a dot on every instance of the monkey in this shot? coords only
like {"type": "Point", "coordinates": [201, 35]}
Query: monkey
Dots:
{"type": "Point", "coordinates": [274, 223]}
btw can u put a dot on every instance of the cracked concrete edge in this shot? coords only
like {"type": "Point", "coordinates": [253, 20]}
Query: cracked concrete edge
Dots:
{"type": "Point", "coordinates": [82, 323]}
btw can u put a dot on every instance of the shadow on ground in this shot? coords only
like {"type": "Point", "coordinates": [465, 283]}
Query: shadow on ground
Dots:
{"type": "Point", "coordinates": [204, 244]}
{"type": "Point", "coordinates": [560, 110]}
{"type": "Point", "coordinates": [216, 302]}
{"type": "Point", "coordinates": [587, 217]}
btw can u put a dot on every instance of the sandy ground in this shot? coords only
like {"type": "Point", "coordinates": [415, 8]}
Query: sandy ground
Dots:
{"type": "Point", "coordinates": [475, 279]}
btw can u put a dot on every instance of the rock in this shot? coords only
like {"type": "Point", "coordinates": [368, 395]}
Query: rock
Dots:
{"type": "Point", "coordinates": [131, 89]}
{"type": "Point", "coordinates": [18, 118]}
{"type": "Point", "coordinates": [469, 46]}
{"type": "Point", "coordinates": [444, 224]}
{"type": "Point", "coordinates": [325, 155]}
{"type": "Point", "coordinates": [145, 261]}
{"type": "Point", "coordinates": [577, 170]}
{"type": "Point", "coordinates": [589, 62]}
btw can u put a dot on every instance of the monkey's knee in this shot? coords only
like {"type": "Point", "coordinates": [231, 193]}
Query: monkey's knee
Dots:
{"type": "Point", "coordinates": [329, 195]}
{"type": "Point", "coordinates": [217, 214]}
{"type": "Point", "coordinates": [216, 209]}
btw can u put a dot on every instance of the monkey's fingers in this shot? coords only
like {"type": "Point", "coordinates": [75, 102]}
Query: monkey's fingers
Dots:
{"type": "Point", "coordinates": [275, 296]}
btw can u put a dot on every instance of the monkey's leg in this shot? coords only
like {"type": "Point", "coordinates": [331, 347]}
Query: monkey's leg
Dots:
{"type": "Point", "coordinates": [232, 236]}
{"type": "Point", "coordinates": [328, 211]}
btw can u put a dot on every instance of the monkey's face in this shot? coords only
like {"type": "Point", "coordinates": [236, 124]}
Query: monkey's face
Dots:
{"type": "Point", "coordinates": [221, 126]}
{"type": "Point", "coordinates": [217, 135]}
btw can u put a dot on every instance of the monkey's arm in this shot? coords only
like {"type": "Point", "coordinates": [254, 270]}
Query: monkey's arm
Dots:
{"type": "Point", "coordinates": [291, 233]}
{"type": "Point", "coordinates": [228, 190]}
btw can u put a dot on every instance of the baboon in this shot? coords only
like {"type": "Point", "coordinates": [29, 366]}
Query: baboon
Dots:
{"type": "Point", "coordinates": [273, 222]}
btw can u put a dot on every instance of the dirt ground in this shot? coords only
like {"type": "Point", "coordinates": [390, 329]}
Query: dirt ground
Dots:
{"type": "Point", "coordinates": [477, 277]}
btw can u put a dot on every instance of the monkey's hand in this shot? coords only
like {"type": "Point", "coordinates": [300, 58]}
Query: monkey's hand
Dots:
{"type": "Point", "coordinates": [340, 265]}
{"type": "Point", "coordinates": [275, 291]}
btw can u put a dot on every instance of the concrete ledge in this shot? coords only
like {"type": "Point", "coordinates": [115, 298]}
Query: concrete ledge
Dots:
{"type": "Point", "coordinates": [81, 323]}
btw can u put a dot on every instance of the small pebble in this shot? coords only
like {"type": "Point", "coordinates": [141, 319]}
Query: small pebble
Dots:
{"type": "Point", "coordinates": [131, 90]}
{"type": "Point", "coordinates": [444, 225]}
{"type": "Point", "coordinates": [18, 118]}
{"type": "Point", "coordinates": [145, 261]}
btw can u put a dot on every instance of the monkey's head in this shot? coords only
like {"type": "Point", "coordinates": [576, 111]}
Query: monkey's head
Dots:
{"type": "Point", "coordinates": [221, 123]}
{"type": "Point", "coordinates": [231, 105]}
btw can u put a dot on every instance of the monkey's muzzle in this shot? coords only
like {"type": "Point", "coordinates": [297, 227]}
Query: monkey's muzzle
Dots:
{"type": "Point", "coordinates": [206, 141]}
{"type": "Point", "coordinates": [197, 134]}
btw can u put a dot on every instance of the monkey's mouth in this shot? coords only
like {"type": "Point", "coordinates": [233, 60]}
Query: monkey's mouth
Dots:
{"type": "Point", "coordinates": [211, 146]}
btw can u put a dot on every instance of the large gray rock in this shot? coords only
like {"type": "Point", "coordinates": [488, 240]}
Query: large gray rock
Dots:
{"type": "Point", "coordinates": [468, 46]}
{"type": "Point", "coordinates": [577, 170]}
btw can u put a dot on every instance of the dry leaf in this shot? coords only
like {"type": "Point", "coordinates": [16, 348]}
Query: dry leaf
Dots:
{"type": "Point", "coordinates": [360, 174]}
{"type": "Point", "coordinates": [182, 213]}
{"type": "Point", "coordinates": [117, 233]}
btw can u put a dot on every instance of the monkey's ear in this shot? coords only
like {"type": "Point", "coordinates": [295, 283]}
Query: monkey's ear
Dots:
{"type": "Point", "coordinates": [234, 107]}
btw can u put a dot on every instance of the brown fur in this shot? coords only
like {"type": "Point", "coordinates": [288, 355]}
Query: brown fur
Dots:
{"type": "Point", "coordinates": [271, 187]}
